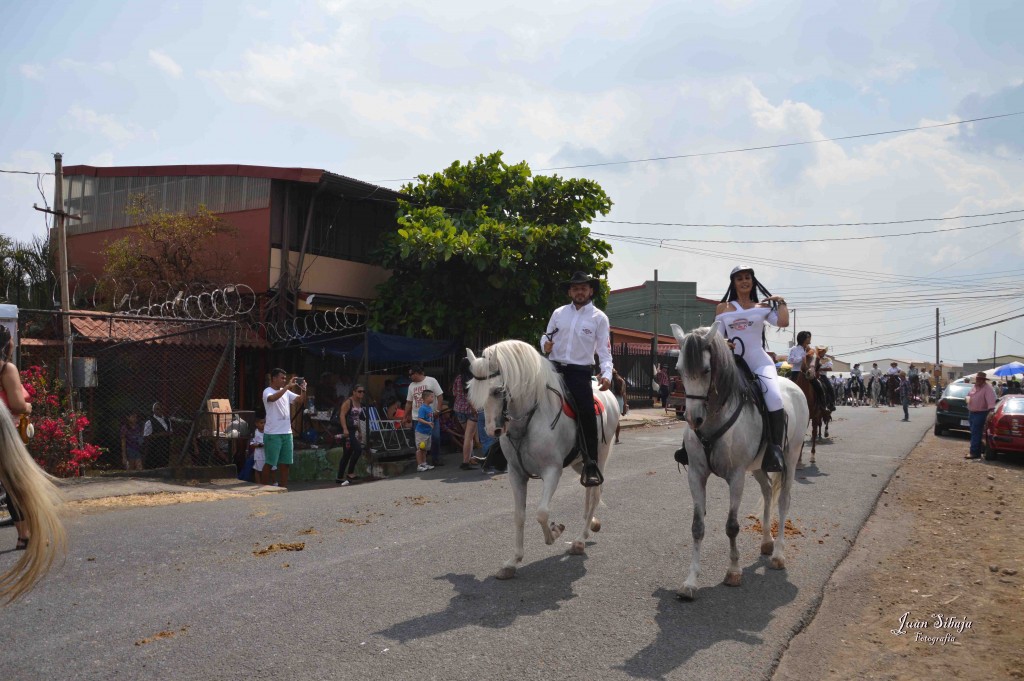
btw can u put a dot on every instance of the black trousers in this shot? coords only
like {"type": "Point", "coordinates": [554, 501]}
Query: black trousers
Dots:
{"type": "Point", "coordinates": [353, 450]}
{"type": "Point", "coordinates": [578, 384]}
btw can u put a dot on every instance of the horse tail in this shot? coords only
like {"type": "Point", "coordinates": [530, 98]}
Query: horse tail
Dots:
{"type": "Point", "coordinates": [36, 497]}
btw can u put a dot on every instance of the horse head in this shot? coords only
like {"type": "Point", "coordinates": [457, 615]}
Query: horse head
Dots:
{"type": "Point", "coordinates": [704, 359]}
{"type": "Point", "coordinates": [809, 366]}
{"type": "Point", "coordinates": [486, 391]}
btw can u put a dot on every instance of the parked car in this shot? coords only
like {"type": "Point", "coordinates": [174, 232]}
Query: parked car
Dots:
{"type": "Point", "coordinates": [951, 410]}
{"type": "Point", "coordinates": [1004, 429]}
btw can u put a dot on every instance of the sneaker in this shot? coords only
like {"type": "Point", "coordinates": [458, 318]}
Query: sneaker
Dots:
{"type": "Point", "coordinates": [346, 483]}
{"type": "Point", "coordinates": [422, 467]}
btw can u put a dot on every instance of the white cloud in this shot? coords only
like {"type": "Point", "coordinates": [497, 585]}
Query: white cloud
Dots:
{"type": "Point", "coordinates": [105, 67]}
{"type": "Point", "coordinates": [87, 120]}
{"type": "Point", "coordinates": [32, 71]}
{"type": "Point", "coordinates": [165, 63]}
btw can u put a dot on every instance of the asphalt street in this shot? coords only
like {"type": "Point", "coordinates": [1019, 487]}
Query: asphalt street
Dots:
{"type": "Point", "coordinates": [395, 579]}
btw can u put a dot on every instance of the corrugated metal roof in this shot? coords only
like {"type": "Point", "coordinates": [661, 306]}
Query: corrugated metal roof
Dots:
{"type": "Point", "coordinates": [108, 328]}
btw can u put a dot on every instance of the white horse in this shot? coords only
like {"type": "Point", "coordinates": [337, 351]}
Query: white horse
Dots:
{"type": "Point", "coordinates": [522, 397]}
{"type": "Point", "coordinates": [717, 394]}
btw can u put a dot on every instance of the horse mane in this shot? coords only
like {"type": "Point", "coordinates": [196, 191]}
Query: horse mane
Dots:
{"type": "Point", "coordinates": [525, 374]}
{"type": "Point", "coordinates": [726, 373]}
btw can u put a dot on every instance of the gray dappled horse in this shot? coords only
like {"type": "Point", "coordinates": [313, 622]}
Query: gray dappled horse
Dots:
{"type": "Point", "coordinates": [523, 397]}
{"type": "Point", "coordinates": [716, 392]}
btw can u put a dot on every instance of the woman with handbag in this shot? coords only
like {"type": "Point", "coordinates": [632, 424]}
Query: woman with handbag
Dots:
{"type": "Point", "coordinates": [15, 398]}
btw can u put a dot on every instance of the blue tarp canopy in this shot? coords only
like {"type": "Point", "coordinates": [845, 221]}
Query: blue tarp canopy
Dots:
{"type": "Point", "coordinates": [385, 348]}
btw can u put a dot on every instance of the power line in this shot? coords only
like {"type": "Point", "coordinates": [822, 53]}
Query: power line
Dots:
{"type": "Point", "coordinates": [23, 172]}
{"type": "Point", "coordinates": [759, 148]}
{"type": "Point", "coordinates": [780, 146]}
{"type": "Point", "coordinates": [818, 224]}
{"type": "Point", "coordinates": [655, 239]}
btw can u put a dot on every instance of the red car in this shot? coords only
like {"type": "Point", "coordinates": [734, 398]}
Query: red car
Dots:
{"type": "Point", "coordinates": [1004, 429]}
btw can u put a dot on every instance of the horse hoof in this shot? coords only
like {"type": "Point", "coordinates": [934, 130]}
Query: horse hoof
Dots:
{"type": "Point", "coordinates": [577, 549]}
{"type": "Point", "coordinates": [777, 564]}
{"type": "Point", "coordinates": [767, 547]}
{"type": "Point", "coordinates": [687, 593]}
{"type": "Point", "coordinates": [506, 573]}
{"type": "Point", "coordinates": [595, 525]}
{"type": "Point", "coordinates": [733, 578]}
{"type": "Point", "coordinates": [556, 531]}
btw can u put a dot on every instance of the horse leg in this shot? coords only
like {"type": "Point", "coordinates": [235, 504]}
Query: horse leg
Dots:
{"type": "Point", "coordinates": [552, 531]}
{"type": "Point", "coordinates": [591, 498]}
{"type": "Point", "coordinates": [733, 575]}
{"type": "Point", "coordinates": [698, 481]}
{"type": "Point", "coordinates": [518, 480]}
{"type": "Point", "coordinates": [815, 424]}
{"type": "Point", "coordinates": [767, 545]}
{"type": "Point", "coordinates": [827, 420]}
{"type": "Point", "coordinates": [778, 559]}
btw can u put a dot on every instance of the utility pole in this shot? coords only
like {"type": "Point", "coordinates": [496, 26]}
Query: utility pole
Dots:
{"type": "Point", "coordinates": [655, 310]}
{"type": "Point", "coordinates": [793, 313]}
{"type": "Point", "coordinates": [62, 264]}
{"type": "Point", "coordinates": [936, 371]}
{"type": "Point", "coordinates": [994, 348]}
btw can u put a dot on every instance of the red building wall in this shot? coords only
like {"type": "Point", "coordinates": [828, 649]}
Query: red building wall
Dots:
{"type": "Point", "coordinates": [251, 244]}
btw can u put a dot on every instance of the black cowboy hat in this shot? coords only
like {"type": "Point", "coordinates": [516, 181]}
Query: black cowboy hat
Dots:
{"type": "Point", "coordinates": [579, 277]}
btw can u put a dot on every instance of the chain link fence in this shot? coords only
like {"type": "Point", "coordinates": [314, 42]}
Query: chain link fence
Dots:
{"type": "Point", "coordinates": [147, 386]}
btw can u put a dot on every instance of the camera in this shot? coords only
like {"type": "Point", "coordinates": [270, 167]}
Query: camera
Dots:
{"type": "Point", "coordinates": [299, 380]}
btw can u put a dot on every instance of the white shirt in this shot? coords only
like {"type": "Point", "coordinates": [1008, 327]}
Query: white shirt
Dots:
{"type": "Point", "coordinates": [893, 371]}
{"type": "Point", "coordinates": [147, 429]}
{"type": "Point", "coordinates": [796, 356]}
{"type": "Point", "coordinates": [876, 372]}
{"type": "Point", "coordinates": [581, 334]}
{"type": "Point", "coordinates": [415, 394]}
{"type": "Point", "coordinates": [279, 412]}
{"type": "Point", "coordinates": [855, 372]}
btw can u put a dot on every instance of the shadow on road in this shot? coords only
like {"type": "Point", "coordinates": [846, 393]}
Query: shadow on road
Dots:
{"type": "Point", "coordinates": [481, 602]}
{"type": "Point", "coordinates": [809, 470]}
{"type": "Point", "coordinates": [720, 613]}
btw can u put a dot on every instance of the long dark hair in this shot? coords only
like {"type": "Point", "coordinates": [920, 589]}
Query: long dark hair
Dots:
{"type": "Point", "coordinates": [731, 295]}
{"type": "Point", "coordinates": [802, 336]}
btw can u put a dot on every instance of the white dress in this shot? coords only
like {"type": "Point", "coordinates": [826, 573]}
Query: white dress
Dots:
{"type": "Point", "coordinates": [744, 328]}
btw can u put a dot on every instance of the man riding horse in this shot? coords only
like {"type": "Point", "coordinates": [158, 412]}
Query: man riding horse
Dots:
{"type": "Point", "coordinates": [824, 393]}
{"type": "Point", "coordinates": [575, 333]}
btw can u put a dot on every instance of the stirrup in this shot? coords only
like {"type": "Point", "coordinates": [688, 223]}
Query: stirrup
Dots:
{"type": "Point", "coordinates": [591, 475]}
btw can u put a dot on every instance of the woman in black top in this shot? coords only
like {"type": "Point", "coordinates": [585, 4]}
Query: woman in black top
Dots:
{"type": "Point", "coordinates": [351, 417]}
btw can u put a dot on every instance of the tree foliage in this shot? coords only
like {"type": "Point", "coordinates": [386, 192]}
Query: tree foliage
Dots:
{"type": "Point", "coordinates": [483, 247]}
{"type": "Point", "coordinates": [171, 250]}
{"type": "Point", "coordinates": [26, 272]}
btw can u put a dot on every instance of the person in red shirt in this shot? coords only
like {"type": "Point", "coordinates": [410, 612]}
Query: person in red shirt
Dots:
{"type": "Point", "coordinates": [980, 401]}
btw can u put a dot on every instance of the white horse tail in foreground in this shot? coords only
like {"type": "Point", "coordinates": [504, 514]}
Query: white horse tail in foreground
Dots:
{"type": "Point", "coordinates": [717, 393]}
{"type": "Point", "coordinates": [522, 397]}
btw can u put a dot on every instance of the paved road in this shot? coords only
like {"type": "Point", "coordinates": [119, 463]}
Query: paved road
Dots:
{"type": "Point", "coordinates": [395, 581]}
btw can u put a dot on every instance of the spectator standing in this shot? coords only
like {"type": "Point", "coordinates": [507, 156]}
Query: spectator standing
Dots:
{"type": "Point", "coordinates": [352, 417]}
{"type": "Point", "coordinates": [424, 429]}
{"type": "Point", "coordinates": [278, 445]}
{"type": "Point", "coordinates": [663, 388]}
{"type": "Point", "coordinates": [131, 443]}
{"type": "Point", "coordinates": [156, 435]}
{"type": "Point", "coordinates": [259, 456]}
{"type": "Point", "coordinates": [980, 401]}
{"type": "Point", "coordinates": [413, 402]}
{"type": "Point", "coordinates": [904, 391]}
{"type": "Point", "coordinates": [464, 413]}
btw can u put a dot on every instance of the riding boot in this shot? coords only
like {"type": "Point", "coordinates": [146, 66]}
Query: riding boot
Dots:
{"type": "Point", "coordinates": [681, 457]}
{"type": "Point", "coordinates": [773, 461]}
{"type": "Point", "coordinates": [591, 475]}
{"type": "Point", "coordinates": [496, 457]}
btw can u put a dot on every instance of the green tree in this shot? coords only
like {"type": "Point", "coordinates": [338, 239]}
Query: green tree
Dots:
{"type": "Point", "coordinates": [482, 247]}
{"type": "Point", "coordinates": [26, 272]}
{"type": "Point", "coordinates": [171, 250]}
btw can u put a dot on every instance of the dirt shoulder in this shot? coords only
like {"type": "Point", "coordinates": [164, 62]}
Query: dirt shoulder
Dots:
{"type": "Point", "coordinates": [944, 552]}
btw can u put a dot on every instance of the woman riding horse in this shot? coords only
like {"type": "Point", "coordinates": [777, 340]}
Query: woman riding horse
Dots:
{"type": "Point", "coordinates": [796, 360]}
{"type": "Point", "coordinates": [743, 318]}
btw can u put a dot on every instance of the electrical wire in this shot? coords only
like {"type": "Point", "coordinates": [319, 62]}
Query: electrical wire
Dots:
{"type": "Point", "coordinates": [803, 225]}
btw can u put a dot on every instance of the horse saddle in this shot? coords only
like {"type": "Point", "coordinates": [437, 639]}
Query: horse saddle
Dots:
{"type": "Point", "coordinates": [569, 411]}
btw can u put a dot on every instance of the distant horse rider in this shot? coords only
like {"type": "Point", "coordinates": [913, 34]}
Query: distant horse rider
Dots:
{"type": "Point", "coordinates": [575, 333]}
{"type": "Point", "coordinates": [796, 360]}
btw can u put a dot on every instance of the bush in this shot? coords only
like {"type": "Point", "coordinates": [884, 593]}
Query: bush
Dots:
{"type": "Point", "coordinates": [58, 445]}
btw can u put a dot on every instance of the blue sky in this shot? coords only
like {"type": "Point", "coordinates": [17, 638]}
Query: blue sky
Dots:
{"type": "Point", "coordinates": [386, 90]}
